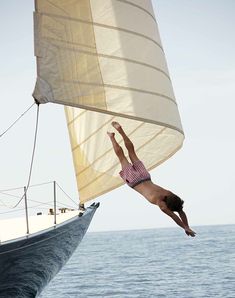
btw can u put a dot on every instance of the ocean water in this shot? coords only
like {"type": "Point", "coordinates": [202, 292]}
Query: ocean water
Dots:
{"type": "Point", "coordinates": [150, 263]}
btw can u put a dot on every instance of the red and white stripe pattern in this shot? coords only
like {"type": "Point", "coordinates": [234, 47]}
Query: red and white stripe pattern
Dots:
{"type": "Point", "coordinates": [135, 173]}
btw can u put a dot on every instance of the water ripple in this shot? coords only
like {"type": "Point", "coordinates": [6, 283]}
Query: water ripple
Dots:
{"type": "Point", "coordinates": [158, 263]}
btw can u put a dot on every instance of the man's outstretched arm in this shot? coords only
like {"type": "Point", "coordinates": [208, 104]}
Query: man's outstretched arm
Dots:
{"type": "Point", "coordinates": [179, 221]}
{"type": "Point", "coordinates": [183, 217]}
{"type": "Point", "coordinates": [176, 219]}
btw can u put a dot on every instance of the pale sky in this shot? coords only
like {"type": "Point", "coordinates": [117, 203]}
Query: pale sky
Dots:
{"type": "Point", "coordinates": [199, 42]}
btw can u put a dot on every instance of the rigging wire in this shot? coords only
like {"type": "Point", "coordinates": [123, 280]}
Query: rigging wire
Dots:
{"type": "Point", "coordinates": [16, 120]}
{"type": "Point", "coordinates": [32, 159]}
{"type": "Point", "coordinates": [11, 211]}
{"type": "Point", "coordinates": [33, 185]}
{"type": "Point", "coordinates": [76, 203]}
{"type": "Point", "coordinates": [10, 195]}
{"type": "Point", "coordinates": [3, 192]}
{"type": "Point", "coordinates": [3, 204]}
{"type": "Point", "coordinates": [61, 205]}
{"type": "Point", "coordinates": [31, 164]}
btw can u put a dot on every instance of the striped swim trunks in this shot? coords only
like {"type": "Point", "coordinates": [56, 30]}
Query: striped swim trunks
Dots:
{"type": "Point", "coordinates": [134, 174]}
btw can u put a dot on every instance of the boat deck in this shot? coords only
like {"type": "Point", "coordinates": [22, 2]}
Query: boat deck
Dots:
{"type": "Point", "coordinates": [16, 227]}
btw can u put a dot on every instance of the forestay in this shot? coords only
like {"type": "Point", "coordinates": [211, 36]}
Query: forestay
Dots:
{"type": "Point", "coordinates": [104, 61]}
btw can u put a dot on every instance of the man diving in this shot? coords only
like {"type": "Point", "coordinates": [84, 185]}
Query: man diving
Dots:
{"type": "Point", "coordinates": [138, 178]}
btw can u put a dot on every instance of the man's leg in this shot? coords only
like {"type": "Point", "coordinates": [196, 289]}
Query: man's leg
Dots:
{"type": "Point", "coordinates": [118, 150]}
{"type": "Point", "coordinates": [128, 143]}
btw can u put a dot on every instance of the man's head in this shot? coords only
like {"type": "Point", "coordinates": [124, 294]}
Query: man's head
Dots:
{"type": "Point", "coordinates": [173, 202]}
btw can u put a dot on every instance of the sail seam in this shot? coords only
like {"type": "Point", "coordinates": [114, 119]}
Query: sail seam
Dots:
{"type": "Point", "coordinates": [115, 58]}
{"type": "Point", "coordinates": [103, 26]}
{"type": "Point", "coordinates": [101, 156]}
{"type": "Point", "coordinates": [71, 61]}
{"type": "Point", "coordinates": [85, 140]}
{"type": "Point", "coordinates": [69, 42]}
{"type": "Point", "coordinates": [121, 88]}
{"type": "Point", "coordinates": [135, 5]}
{"type": "Point", "coordinates": [102, 174]}
{"type": "Point", "coordinates": [132, 61]}
{"type": "Point", "coordinates": [102, 192]}
{"type": "Point", "coordinates": [122, 115]}
{"type": "Point", "coordinates": [104, 101]}
{"type": "Point", "coordinates": [75, 118]}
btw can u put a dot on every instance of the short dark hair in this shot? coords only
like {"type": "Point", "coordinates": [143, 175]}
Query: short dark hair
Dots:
{"type": "Point", "coordinates": [173, 202]}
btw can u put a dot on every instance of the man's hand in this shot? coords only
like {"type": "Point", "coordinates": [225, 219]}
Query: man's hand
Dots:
{"type": "Point", "coordinates": [190, 232]}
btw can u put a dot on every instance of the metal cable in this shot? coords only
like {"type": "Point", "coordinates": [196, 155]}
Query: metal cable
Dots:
{"type": "Point", "coordinates": [34, 185]}
{"type": "Point", "coordinates": [16, 120]}
{"type": "Point", "coordinates": [76, 203]}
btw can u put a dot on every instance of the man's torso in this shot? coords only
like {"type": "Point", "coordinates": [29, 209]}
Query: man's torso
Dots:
{"type": "Point", "coordinates": [152, 192]}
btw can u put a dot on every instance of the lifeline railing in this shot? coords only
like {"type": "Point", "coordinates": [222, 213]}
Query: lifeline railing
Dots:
{"type": "Point", "coordinates": [53, 211]}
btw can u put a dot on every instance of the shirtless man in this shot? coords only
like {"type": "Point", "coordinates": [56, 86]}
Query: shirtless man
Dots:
{"type": "Point", "coordinates": [137, 177]}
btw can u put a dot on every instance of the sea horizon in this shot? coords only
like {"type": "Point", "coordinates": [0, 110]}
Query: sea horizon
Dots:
{"type": "Point", "coordinates": [154, 228]}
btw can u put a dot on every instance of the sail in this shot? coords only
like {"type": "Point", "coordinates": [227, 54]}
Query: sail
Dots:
{"type": "Point", "coordinates": [103, 60]}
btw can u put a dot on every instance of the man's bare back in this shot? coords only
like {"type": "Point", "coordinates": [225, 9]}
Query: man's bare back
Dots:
{"type": "Point", "coordinates": [152, 192]}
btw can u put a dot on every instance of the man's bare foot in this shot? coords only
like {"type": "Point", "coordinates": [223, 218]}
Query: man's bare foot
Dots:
{"type": "Point", "coordinates": [117, 126]}
{"type": "Point", "coordinates": [110, 134]}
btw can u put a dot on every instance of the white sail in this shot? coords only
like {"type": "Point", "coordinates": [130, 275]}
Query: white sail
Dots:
{"type": "Point", "coordinates": [104, 61]}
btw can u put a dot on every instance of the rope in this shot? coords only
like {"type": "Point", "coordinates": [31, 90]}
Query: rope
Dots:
{"type": "Point", "coordinates": [16, 120]}
{"type": "Point", "coordinates": [32, 159]}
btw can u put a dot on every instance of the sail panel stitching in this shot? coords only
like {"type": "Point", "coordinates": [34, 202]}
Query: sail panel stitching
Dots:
{"type": "Point", "coordinates": [137, 6]}
{"type": "Point", "coordinates": [101, 156]}
{"type": "Point", "coordinates": [102, 25]}
{"type": "Point", "coordinates": [111, 57]}
{"type": "Point", "coordinates": [89, 108]}
{"type": "Point", "coordinates": [120, 88]}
